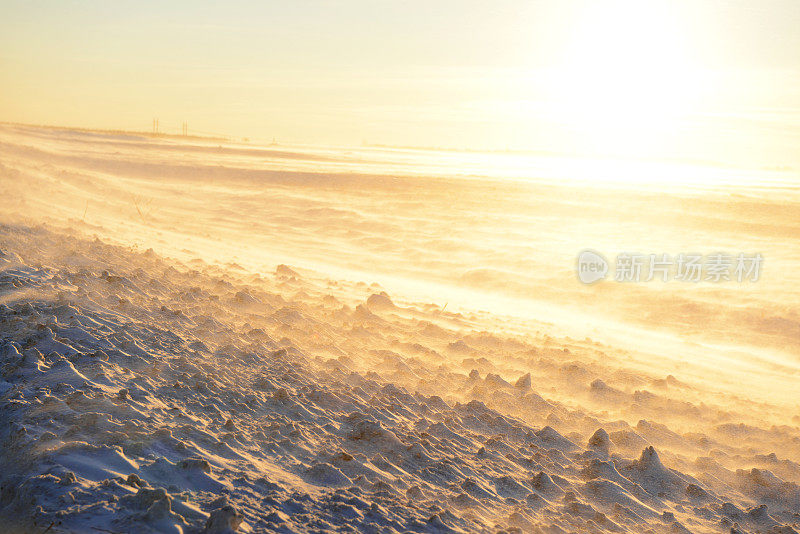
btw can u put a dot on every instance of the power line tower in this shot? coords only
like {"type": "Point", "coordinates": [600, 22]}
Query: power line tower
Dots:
{"type": "Point", "coordinates": [155, 126]}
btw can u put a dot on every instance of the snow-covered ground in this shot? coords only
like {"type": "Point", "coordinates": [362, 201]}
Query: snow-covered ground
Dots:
{"type": "Point", "coordinates": [169, 389]}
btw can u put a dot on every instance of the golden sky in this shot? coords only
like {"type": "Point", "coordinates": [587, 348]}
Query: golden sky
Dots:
{"type": "Point", "coordinates": [709, 80]}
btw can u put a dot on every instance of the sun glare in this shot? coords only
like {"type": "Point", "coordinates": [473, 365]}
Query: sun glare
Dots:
{"type": "Point", "coordinates": [626, 77]}
{"type": "Point", "coordinates": [383, 266]}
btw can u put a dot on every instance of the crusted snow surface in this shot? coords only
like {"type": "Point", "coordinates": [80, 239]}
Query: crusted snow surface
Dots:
{"type": "Point", "coordinates": [140, 394]}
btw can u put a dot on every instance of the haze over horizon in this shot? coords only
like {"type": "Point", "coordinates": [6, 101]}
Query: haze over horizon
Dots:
{"type": "Point", "coordinates": [710, 81]}
{"type": "Point", "coordinates": [519, 266]}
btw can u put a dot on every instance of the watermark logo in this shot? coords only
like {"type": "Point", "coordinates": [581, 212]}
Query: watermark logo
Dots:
{"type": "Point", "coordinates": [592, 266]}
{"type": "Point", "coordinates": [716, 267]}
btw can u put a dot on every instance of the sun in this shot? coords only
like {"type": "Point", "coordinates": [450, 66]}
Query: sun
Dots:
{"type": "Point", "coordinates": [626, 78]}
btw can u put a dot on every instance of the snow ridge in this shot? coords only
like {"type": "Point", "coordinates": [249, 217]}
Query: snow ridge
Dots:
{"type": "Point", "coordinates": [139, 395]}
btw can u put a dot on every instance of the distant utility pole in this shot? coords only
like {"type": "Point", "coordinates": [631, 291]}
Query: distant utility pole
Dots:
{"type": "Point", "coordinates": [185, 129]}
{"type": "Point", "coordinates": [155, 126]}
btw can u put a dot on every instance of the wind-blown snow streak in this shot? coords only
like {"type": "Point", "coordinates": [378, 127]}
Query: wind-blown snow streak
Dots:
{"type": "Point", "coordinates": [145, 394]}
